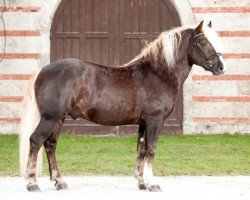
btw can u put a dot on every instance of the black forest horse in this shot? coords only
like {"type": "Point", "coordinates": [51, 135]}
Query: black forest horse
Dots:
{"type": "Point", "coordinates": [141, 92]}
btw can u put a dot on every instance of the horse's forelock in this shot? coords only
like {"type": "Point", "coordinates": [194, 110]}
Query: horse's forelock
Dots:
{"type": "Point", "coordinates": [213, 38]}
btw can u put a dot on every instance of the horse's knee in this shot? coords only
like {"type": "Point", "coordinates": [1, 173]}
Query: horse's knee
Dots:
{"type": "Point", "coordinates": [141, 150]}
{"type": "Point", "coordinates": [150, 153]}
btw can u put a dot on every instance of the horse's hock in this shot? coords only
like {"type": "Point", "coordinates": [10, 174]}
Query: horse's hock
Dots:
{"type": "Point", "coordinates": [111, 32]}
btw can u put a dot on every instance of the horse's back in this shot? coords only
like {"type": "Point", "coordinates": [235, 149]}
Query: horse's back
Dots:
{"type": "Point", "coordinates": [68, 65]}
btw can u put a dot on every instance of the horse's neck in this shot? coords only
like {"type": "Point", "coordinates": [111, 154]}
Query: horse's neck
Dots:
{"type": "Point", "coordinates": [182, 72]}
{"type": "Point", "coordinates": [181, 69]}
{"type": "Point", "coordinates": [175, 75]}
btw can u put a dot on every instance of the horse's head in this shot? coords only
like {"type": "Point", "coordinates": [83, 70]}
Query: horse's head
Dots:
{"type": "Point", "coordinates": [205, 49]}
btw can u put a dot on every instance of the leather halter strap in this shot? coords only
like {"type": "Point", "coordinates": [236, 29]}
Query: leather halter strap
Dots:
{"type": "Point", "coordinates": [206, 59]}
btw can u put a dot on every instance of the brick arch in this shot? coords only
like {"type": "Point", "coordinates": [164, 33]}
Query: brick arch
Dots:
{"type": "Point", "coordinates": [184, 11]}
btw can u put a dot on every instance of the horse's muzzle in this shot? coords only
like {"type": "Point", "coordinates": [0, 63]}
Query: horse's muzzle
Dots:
{"type": "Point", "coordinates": [219, 69]}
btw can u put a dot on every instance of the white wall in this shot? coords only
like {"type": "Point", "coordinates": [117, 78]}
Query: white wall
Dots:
{"type": "Point", "coordinates": [210, 106]}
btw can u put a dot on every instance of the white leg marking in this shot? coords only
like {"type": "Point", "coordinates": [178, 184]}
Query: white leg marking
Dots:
{"type": "Point", "coordinates": [148, 174]}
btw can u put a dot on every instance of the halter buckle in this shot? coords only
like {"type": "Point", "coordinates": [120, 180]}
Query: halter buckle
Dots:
{"type": "Point", "coordinates": [208, 64]}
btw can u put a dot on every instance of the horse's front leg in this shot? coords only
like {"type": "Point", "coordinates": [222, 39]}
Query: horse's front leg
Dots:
{"type": "Point", "coordinates": [154, 126]}
{"type": "Point", "coordinates": [141, 152]}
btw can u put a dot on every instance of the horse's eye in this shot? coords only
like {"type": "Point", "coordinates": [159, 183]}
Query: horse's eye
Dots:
{"type": "Point", "coordinates": [203, 44]}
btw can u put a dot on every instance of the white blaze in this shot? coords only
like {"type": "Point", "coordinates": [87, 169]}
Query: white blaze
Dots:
{"type": "Point", "coordinates": [216, 42]}
{"type": "Point", "coordinates": [213, 38]}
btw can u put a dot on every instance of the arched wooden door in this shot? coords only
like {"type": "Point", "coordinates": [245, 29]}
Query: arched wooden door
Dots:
{"type": "Point", "coordinates": [110, 32]}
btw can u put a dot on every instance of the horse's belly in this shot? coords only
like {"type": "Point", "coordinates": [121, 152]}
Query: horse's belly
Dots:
{"type": "Point", "coordinates": [112, 115]}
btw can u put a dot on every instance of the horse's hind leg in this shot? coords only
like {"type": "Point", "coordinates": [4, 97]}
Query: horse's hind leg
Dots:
{"type": "Point", "coordinates": [37, 139]}
{"type": "Point", "coordinates": [50, 147]}
{"type": "Point", "coordinates": [141, 152]}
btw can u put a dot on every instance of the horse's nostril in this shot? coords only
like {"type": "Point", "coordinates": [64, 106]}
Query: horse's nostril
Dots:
{"type": "Point", "coordinates": [221, 68]}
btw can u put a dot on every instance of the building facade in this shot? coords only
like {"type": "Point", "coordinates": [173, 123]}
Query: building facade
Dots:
{"type": "Point", "coordinates": [35, 32]}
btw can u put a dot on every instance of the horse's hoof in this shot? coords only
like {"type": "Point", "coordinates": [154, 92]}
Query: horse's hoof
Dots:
{"type": "Point", "coordinates": [141, 186]}
{"type": "Point", "coordinates": [33, 187]}
{"type": "Point", "coordinates": [154, 188]}
{"type": "Point", "coordinates": [61, 186]}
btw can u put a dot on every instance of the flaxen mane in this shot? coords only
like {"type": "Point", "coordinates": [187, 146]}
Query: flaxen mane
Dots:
{"type": "Point", "coordinates": [167, 45]}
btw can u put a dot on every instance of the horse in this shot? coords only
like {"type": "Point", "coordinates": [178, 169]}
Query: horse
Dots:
{"type": "Point", "coordinates": [141, 92]}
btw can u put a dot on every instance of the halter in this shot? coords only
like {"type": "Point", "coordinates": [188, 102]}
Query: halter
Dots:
{"type": "Point", "coordinates": [207, 60]}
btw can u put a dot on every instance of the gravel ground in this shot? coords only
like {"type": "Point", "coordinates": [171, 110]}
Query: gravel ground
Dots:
{"type": "Point", "coordinates": [109, 188]}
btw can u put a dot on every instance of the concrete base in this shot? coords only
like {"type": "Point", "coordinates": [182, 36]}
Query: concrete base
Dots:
{"type": "Point", "coordinates": [232, 187]}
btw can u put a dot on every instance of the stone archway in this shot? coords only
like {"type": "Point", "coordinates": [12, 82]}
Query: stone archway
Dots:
{"type": "Point", "coordinates": [49, 8]}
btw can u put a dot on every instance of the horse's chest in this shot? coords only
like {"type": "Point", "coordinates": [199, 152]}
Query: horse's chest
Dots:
{"type": "Point", "coordinates": [161, 106]}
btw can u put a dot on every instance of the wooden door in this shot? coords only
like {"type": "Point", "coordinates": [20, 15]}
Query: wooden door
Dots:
{"type": "Point", "coordinates": [110, 32]}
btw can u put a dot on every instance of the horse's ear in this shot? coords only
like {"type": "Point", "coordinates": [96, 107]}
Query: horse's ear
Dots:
{"type": "Point", "coordinates": [210, 24]}
{"type": "Point", "coordinates": [198, 29]}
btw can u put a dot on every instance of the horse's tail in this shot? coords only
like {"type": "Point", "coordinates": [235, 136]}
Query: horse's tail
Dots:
{"type": "Point", "coordinates": [30, 117]}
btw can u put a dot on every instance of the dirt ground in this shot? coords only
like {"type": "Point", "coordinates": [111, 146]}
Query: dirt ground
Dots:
{"type": "Point", "coordinates": [109, 188]}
